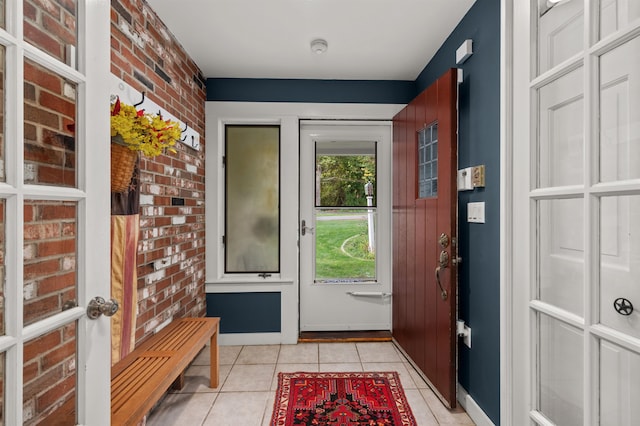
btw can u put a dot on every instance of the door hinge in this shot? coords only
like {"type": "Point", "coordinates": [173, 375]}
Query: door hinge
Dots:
{"type": "Point", "coordinates": [224, 160]}
{"type": "Point", "coordinates": [224, 240]}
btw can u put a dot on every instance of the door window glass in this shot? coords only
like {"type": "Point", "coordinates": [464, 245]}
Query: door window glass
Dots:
{"type": "Point", "coordinates": [617, 14]}
{"type": "Point", "coordinates": [560, 32]}
{"type": "Point", "coordinates": [561, 253]}
{"type": "Point", "coordinates": [560, 372]}
{"type": "Point", "coordinates": [252, 207]}
{"type": "Point", "coordinates": [49, 124]}
{"type": "Point", "coordinates": [2, 382]}
{"type": "Point", "coordinates": [620, 113]}
{"type": "Point", "coordinates": [428, 162]}
{"type": "Point", "coordinates": [620, 263]}
{"type": "Point", "coordinates": [49, 258]}
{"type": "Point", "coordinates": [2, 103]}
{"type": "Point", "coordinates": [560, 133]}
{"type": "Point", "coordinates": [52, 27]}
{"type": "Point", "coordinates": [344, 231]}
{"type": "Point", "coordinates": [2, 265]}
{"type": "Point", "coordinates": [619, 385]}
{"type": "Point", "coordinates": [49, 374]}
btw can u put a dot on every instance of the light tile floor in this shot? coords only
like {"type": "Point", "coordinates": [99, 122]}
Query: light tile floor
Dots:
{"type": "Point", "coordinates": [248, 381]}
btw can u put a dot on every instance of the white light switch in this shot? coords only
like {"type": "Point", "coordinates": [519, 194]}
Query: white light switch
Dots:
{"type": "Point", "coordinates": [475, 212]}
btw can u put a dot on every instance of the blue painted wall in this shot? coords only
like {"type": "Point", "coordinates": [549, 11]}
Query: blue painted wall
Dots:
{"type": "Point", "coordinates": [479, 143]}
{"type": "Point", "coordinates": [246, 312]}
{"type": "Point", "coordinates": [312, 91]}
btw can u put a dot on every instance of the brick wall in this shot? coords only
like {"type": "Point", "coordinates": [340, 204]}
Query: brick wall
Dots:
{"type": "Point", "coordinates": [171, 250]}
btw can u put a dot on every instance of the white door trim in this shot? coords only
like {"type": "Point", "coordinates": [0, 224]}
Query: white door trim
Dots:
{"type": "Point", "coordinates": [506, 212]}
{"type": "Point", "coordinates": [289, 114]}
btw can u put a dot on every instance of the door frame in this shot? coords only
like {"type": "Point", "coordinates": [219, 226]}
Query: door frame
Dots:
{"type": "Point", "coordinates": [288, 114]}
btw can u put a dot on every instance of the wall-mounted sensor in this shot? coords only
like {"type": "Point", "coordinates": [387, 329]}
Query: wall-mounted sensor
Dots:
{"type": "Point", "coordinates": [464, 51]}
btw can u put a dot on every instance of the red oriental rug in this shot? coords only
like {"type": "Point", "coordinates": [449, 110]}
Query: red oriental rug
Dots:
{"type": "Point", "coordinates": [341, 399]}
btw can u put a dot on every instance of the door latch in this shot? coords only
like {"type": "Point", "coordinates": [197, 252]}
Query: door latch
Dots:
{"type": "Point", "coordinates": [304, 228]}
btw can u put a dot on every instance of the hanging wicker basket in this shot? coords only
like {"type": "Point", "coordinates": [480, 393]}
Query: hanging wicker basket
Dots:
{"type": "Point", "coordinates": [123, 161]}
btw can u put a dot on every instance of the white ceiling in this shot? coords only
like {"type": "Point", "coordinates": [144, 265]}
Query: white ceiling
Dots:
{"type": "Point", "coordinates": [368, 39]}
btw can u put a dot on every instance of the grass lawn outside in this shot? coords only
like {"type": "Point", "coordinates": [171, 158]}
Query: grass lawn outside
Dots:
{"type": "Point", "coordinates": [342, 250]}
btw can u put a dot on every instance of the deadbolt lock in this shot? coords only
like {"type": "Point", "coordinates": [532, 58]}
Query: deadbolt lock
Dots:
{"type": "Point", "coordinates": [443, 240]}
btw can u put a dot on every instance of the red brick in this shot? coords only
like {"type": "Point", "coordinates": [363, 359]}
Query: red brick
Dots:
{"type": "Point", "coordinates": [42, 40]}
{"type": "Point", "coordinates": [57, 283]}
{"type": "Point", "coordinates": [57, 211]}
{"type": "Point", "coordinates": [41, 269]}
{"type": "Point", "coordinates": [58, 104]}
{"type": "Point", "coordinates": [56, 394]}
{"type": "Point", "coordinates": [53, 248]}
{"type": "Point", "coordinates": [63, 32]}
{"type": "Point", "coordinates": [60, 354]}
{"type": "Point", "coordinates": [56, 176]}
{"type": "Point", "coordinates": [34, 347]}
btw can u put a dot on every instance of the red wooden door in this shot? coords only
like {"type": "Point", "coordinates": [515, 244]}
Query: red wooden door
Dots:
{"type": "Point", "coordinates": [425, 207]}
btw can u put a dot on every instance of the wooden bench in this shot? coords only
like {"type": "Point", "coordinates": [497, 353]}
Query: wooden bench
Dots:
{"type": "Point", "coordinates": [140, 379]}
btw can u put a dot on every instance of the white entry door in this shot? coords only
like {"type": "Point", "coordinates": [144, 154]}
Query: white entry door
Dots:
{"type": "Point", "coordinates": [54, 211]}
{"type": "Point", "coordinates": [576, 204]}
{"type": "Point", "coordinates": [345, 226]}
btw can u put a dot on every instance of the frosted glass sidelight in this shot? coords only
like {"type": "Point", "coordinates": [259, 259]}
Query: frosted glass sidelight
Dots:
{"type": "Point", "coordinates": [560, 269]}
{"type": "Point", "coordinates": [620, 262]}
{"type": "Point", "coordinates": [619, 386]}
{"type": "Point", "coordinates": [560, 132]}
{"type": "Point", "coordinates": [560, 363]}
{"type": "Point", "coordinates": [252, 208]}
{"type": "Point", "coordinates": [620, 113]}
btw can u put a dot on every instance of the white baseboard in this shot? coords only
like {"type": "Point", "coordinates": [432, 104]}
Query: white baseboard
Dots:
{"type": "Point", "coordinates": [240, 339]}
{"type": "Point", "coordinates": [472, 408]}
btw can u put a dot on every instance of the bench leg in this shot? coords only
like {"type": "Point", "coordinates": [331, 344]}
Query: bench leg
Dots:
{"type": "Point", "coordinates": [215, 371]}
{"type": "Point", "coordinates": [178, 384]}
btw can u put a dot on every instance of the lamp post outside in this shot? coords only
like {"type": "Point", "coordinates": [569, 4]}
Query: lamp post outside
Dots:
{"type": "Point", "coordinates": [368, 190]}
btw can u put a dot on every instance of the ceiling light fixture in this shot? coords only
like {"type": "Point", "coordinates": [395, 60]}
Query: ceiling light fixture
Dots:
{"type": "Point", "coordinates": [319, 46]}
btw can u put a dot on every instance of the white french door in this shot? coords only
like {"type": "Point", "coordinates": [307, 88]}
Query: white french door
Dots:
{"type": "Point", "coordinates": [343, 288]}
{"type": "Point", "coordinates": [54, 210]}
{"type": "Point", "coordinates": [575, 318]}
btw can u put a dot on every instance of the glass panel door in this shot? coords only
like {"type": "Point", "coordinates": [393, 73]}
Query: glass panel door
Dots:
{"type": "Point", "coordinates": [54, 131]}
{"type": "Point", "coordinates": [584, 199]}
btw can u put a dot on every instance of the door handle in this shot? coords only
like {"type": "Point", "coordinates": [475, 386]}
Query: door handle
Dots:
{"type": "Point", "coordinates": [98, 306]}
{"type": "Point", "coordinates": [443, 292]}
{"type": "Point", "coordinates": [304, 228]}
{"type": "Point", "coordinates": [443, 262]}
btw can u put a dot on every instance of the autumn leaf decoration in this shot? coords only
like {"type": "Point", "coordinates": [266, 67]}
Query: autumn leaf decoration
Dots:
{"type": "Point", "coordinates": [140, 131]}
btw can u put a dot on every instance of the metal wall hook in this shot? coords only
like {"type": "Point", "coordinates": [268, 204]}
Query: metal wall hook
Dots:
{"type": "Point", "coordinates": [142, 101]}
